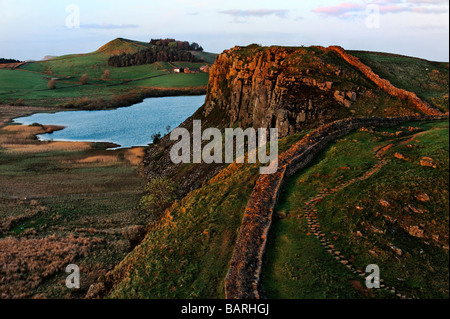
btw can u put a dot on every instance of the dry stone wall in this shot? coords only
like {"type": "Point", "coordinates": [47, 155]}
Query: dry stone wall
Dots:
{"type": "Point", "coordinates": [385, 84]}
{"type": "Point", "coordinates": [243, 278]}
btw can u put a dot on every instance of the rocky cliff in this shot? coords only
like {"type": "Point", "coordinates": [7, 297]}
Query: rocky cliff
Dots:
{"type": "Point", "coordinates": [281, 87]}
{"type": "Point", "coordinates": [293, 88]}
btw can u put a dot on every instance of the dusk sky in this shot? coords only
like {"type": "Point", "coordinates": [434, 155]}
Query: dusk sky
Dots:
{"type": "Point", "coordinates": [33, 29]}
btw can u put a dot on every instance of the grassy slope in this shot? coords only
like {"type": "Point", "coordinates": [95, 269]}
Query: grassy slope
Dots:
{"type": "Point", "coordinates": [297, 266]}
{"type": "Point", "coordinates": [29, 82]}
{"type": "Point", "coordinates": [429, 80]}
{"type": "Point", "coordinates": [187, 255]}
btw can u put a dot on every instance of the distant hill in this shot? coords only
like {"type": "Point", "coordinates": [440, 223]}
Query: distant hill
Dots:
{"type": "Point", "coordinates": [160, 76]}
{"type": "Point", "coordinates": [48, 57]}
{"type": "Point", "coordinates": [121, 45]}
{"type": "Point", "coordinates": [206, 56]}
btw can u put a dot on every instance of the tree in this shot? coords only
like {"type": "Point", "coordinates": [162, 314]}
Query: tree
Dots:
{"type": "Point", "coordinates": [167, 50]}
{"type": "Point", "coordinates": [84, 79]}
{"type": "Point", "coordinates": [156, 138]}
{"type": "Point", "coordinates": [6, 61]}
{"type": "Point", "coordinates": [51, 84]}
{"type": "Point", "coordinates": [106, 75]}
{"type": "Point", "coordinates": [173, 45]}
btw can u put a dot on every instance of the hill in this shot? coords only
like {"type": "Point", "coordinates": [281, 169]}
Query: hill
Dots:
{"type": "Point", "coordinates": [298, 90]}
{"type": "Point", "coordinates": [48, 57]}
{"type": "Point", "coordinates": [186, 253]}
{"type": "Point", "coordinates": [121, 45]}
{"type": "Point", "coordinates": [395, 216]}
{"type": "Point", "coordinates": [28, 81]}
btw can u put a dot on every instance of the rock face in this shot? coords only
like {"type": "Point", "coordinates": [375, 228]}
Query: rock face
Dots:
{"type": "Point", "coordinates": [290, 88]}
{"type": "Point", "coordinates": [272, 88]}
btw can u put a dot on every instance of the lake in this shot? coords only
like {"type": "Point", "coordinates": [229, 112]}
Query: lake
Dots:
{"type": "Point", "coordinates": [126, 126]}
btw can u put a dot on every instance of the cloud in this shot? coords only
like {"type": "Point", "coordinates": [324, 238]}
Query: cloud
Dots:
{"type": "Point", "coordinates": [349, 9]}
{"type": "Point", "coordinates": [432, 2]}
{"type": "Point", "coordinates": [340, 9]}
{"type": "Point", "coordinates": [109, 26]}
{"type": "Point", "coordinates": [237, 13]}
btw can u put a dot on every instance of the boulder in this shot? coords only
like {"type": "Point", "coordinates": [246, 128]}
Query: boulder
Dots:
{"type": "Point", "coordinates": [423, 197]}
{"type": "Point", "coordinates": [351, 96]}
{"type": "Point", "coordinates": [385, 203]}
{"type": "Point", "coordinates": [338, 96]}
{"type": "Point", "coordinates": [415, 231]}
{"type": "Point", "coordinates": [416, 210]}
{"type": "Point", "coordinates": [428, 162]}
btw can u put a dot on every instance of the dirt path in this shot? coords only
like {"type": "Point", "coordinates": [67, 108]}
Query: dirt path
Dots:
{"type": "Point", "coordinates": [414, 136]}
{"type": "Point", "coordinates": [314, 224]}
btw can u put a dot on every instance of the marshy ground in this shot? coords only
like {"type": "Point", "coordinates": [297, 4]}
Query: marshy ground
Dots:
{"type": "Point", "coordinates": [62, 203]}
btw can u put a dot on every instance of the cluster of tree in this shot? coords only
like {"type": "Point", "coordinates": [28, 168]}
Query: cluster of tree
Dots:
{"type": "Point", "coordinates": [152, 55]}
{"type": "Point", "coordinates": [180, 45]}
{"type": "Point", "coordinates": [162, 50]}
{"type": "Point", "coordinates": [4, 61]}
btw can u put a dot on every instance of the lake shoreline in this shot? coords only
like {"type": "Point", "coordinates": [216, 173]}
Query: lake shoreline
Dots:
{"type": "Point", "coordinates": [86, 103]}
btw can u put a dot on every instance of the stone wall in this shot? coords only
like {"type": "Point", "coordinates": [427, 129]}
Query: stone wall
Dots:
{"type": "Point", "coordinates": [243, 278]}
{"type": "Point", "coordinates": [385, 84]}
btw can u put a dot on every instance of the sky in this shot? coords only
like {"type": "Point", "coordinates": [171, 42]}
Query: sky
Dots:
{"type": "Point", "coordinates": [33, 29]}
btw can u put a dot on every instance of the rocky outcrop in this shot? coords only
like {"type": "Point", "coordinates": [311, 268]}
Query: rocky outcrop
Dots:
{"type": "Point", "coordinates": [269, 88]}
{"type": "Point", "coordinates": [385, 84]}
{"type": "Point", "coordinates": [243, 278]}
{"type": "Point", "coordinates": [290, 88]}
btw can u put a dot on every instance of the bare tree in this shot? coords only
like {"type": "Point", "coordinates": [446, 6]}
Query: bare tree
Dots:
{"type": "Point", "coordinates": [51, 84]}
{"type": "Point", "coordinates": [84, 79]}
{"type": "Point", "coordinates": [106, 75]}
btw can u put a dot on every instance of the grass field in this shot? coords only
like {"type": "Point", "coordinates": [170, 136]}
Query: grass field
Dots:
{"type": "Point", "coordinates": [29, 82]}
{"type": "Point", "coordinates": [297, 266]}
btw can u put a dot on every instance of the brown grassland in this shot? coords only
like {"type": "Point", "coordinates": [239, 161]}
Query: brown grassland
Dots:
{"type": "Point", "coordinates": [63, 203]}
